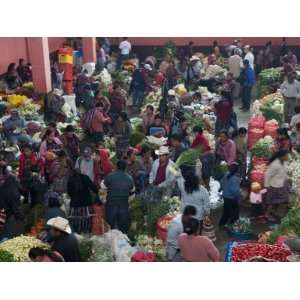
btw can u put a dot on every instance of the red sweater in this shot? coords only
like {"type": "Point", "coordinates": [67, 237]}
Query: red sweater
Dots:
{"type": "Point", "coordinates": [34, 160]}
{"type": "Point", "coordinates": [202, 141]}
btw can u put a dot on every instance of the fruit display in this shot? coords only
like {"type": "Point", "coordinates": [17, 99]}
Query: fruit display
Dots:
{"type": "Point", "coordinates": [245, 252]}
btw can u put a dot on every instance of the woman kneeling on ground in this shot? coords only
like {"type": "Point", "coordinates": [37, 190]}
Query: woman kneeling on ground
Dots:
{"type": "Point", "coordinates": [196, 248]}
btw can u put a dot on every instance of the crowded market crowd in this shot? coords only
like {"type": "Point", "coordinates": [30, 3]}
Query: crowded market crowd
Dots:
{"type": "Point", "coordinates": [134, 169]}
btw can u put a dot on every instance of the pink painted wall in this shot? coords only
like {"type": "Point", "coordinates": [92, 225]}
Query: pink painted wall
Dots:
{"type": "Point", "coordinates": [204, 41]}
{"type": "Point", "coordinates": [89, 49]}
{"type": "Point", "coordinates": [55, 43]}
{"type": "Point", "coordinates": [13, 48]}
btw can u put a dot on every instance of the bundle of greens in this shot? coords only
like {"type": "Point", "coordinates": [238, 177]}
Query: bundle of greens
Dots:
{"type": "Point", "coordinates": [193, 120]}
{"type": "Point", "coordinates": [144, 215]}
{"type": "Point", "coordinates": [270, 76]}
{"type": "Point", "coordinates": [6, 256]}
{"type": "Point", "coordinates": [290, 224]}
{"type": "Point", "coordinates": [188, 158]}
{"type": "Point", "coordinates": [242, 225]}
{"type": "Point", "coordinates": [263, 148]}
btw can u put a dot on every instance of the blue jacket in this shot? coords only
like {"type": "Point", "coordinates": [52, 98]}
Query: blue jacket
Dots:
{"type": "Point", "coordinates": [231, 187]}
{"type": "Point", "coordinates": [249, 77]}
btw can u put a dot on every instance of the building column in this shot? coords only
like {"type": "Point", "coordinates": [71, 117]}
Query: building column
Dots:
{"type": "Point", "coordinates": [39, 58]}
{"type": "Point", "coordinates": [89, 49]}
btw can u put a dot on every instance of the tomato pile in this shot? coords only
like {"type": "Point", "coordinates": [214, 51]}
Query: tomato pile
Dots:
{"type": "Point", "coordinates": [246, 251]}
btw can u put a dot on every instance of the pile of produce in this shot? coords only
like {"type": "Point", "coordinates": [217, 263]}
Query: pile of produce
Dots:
{"type": "Point", "coordinates": [270, 76]}
{"type": "Point", "coordinates": [272, 107]}
{"type": "Point", "coordinates": [290, 225]}
{"type": "Point", "coordinates": [144, 214]}
{"type": "Point", "coordinates": [152, 98]}
{"type": "Point", "coordinates": [294, 173]}
{"type": "Point", "coordinates": [241, 226]}
{"type": "Point", "coordinates": [247, 251]}
{"type": "Point", "coordinates": [6, 256]}
{"type": "Point", "coordinates": [268, 80]}
{"type": "Point", "coordinates": [152, 245]}
{"type": "Point", "coordinates": [19, 247]}
{"type": "Point", "coordinates": [30, 112]}
{"type": "Point", "coordinates": [263, 148]}
{"type": "Point", "coordinates": [16, 100]}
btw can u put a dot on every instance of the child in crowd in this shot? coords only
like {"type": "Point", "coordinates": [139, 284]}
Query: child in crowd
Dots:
{"type": "Point", "coordinates": [256, 199]}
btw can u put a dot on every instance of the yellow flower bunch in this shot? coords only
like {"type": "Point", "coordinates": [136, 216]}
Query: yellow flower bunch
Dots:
{"type": "Point", "coordinates": [16, 100]}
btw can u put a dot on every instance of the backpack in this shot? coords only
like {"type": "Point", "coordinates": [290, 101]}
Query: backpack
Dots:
{"type": "Point", "coordinates": [87, 119]}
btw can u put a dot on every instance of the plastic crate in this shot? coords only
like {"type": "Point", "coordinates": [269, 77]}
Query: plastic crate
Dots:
{"type": "Point", "coordinates": [238, 236]}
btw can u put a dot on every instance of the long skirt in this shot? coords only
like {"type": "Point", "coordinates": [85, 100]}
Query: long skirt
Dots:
{"type": "Point", "coordinates": [80, 219]}
{"type": "Point", "coordinates": [277, 195]}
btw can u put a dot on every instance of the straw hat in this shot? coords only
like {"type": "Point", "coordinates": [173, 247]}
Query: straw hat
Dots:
{"type": "Point", "coordinates": [171, 93]}
{"type": "Point", "coordinates": [148, 67]}
{"type": "Point", "coordinates": [61, 224]}
{"type": "Point", "coordinates": [194, 58]}
{"type": "Point", "coordinates": [163, 150]}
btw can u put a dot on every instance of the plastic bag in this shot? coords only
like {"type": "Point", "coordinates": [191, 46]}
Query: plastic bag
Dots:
{"type": "Point", "coordinates": [120, 245]}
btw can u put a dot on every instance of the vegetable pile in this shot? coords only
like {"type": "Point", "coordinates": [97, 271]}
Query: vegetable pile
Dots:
{"type": "Point", "coordinates": [243, 225]}
{"type": "Point", "coordinates": [246, 251]}
{"type": "Point", "coordinates": [272, 107]}
{"type": "Point", "coordinates": [263, 148]}
{"type": "Point", "coordinates": [19, 247]}
{"type": "Point", "coordinates": [6, 256]}
{"type": "Point", "coordinates": [152, 245]}
{"type": "Point", "coordinates": [290, 224]}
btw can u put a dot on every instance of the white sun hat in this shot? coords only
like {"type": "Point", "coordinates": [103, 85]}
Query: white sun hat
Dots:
{"type": "Point", "coordinates": [61, 224]}
{"type": "Point", "coordinates": [163, 150]}
{"type": "Point", "coordinates": [194, 57]}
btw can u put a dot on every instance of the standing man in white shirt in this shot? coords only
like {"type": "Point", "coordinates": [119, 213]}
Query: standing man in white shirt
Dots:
{"type": "Point", "coordinates": [249, 56]}
{"type": "Point", "coordinates": [290, 89]}
{"type": "Point", "coordinates": [125, 48]}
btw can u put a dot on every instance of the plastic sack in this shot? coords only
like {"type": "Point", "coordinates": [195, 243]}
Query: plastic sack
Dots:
{"type": "Point", "coordinates": [120, 245]}
{"type": "Point", "coordinates": [257, 122]}
{"type": "Point", "coordinates": [90, 67]}
{"type": "Point", "coordinates": [270, 128]}
{"type": "Point", "coordinates": [254, 135]}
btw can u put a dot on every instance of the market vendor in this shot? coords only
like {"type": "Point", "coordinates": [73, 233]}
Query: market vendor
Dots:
{"type": "Point", "coordinates": [276, 183]}
{"type": "Point", "coordinates": [10, 204]}
{"type": "Point", "coordinates": [63, 241]}
{"type": "Point", "coordinates": [121, 131]}
{"type": "Point", "coordinates": [194, 247]}
{"type": "Point", "coordinates": [12, 77]}
{"type": "Point", "coordinates": [13, 127]}
{"type": "Point", "coordinates": [120, 186]}
{"type": "Point", "coordinates": [225, 149]}
{"type": "Point", "coordinates": [81, 191]}
{"type": "Point", "coordinates": [157, 129]}
{"type": "Point", "coordinates": [290, 90]}
{"type": "Point", "coordinates": [24, 71]}
{"type": "Point", "coordinates": [175, 228]}
{"type": "Point", "coordinates": [207, 156]}
{"type": "Point", "coordinates": [53, 107]}
{"type": "Point", "coordinates": [161, 174]}
{"type": "Point", "coordinates": [192, 72]}
{"type": "Point", "coordinates": [148, 117]}
{"type": "Point", "coordinates": [71, 142]}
